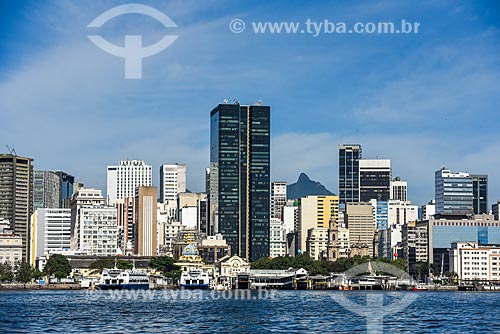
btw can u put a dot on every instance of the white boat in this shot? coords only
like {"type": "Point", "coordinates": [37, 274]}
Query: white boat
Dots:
{"type": "Point", "coordinates": [195, 279]}
{"type": "Point", "coordinates": [118, 279]}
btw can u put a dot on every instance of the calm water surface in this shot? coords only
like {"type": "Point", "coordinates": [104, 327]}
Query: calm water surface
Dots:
{"type": "Point", "coordinates": [212, 311]}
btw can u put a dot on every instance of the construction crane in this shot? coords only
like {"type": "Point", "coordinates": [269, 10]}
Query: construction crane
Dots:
{"type": "Point", "coordinates": [11, 150]}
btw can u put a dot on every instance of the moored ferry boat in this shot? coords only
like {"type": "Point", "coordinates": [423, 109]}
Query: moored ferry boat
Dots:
{"type": "Point", "coordinates": [195, 279]}
{"type": "Point", "coordinates": [117, 279]}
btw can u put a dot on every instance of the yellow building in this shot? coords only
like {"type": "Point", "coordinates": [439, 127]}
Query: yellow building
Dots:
{"type": "Point", "coordinates": [315, 212]}
{"type": "Point", "coordinates": [328, 206]}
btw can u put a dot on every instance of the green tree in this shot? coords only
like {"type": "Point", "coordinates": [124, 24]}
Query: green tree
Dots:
{"type": "Point", "coordinates": [285, 262]}
{"type": "Point", "coordinates": [24, 273]}
{"type": "Point", "coordinates": [57, 266]}
{"type": "Point", "coordinates": [400, 264]}
{"type": "Point", "coordinates": [174, 275]}
{"type": "Point", "coordinates": [37, 274]}
{"type": "Point", "coordinates": [262, 263]}
{"type": "Point", "coordinates": [6, 273]}
{"type": "Point", "coordinates": [166, 265]}
{"type": "Point", "coordinates": [319, 267]}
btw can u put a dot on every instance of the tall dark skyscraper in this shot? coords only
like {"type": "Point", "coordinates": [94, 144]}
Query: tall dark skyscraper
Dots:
{"type": "Point", "coordinates": [374, 180]}
{"type": "Point", "coordinates": [480, 193]}
{"type": "Point", "coordinates": [240, 177]}
{"type": "Point", "coordinates": [349, 156]}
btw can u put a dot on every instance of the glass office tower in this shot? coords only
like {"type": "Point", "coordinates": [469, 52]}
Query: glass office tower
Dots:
{"type": "Point", "coordinates": [480, 194]}
{"type": "Point", "coordinates": [240, 177]}
{"type": "Point", "coordinates": [453, 193]}
{"type": "Point", "coordinates": [67, 182]}
{"type": "Point", "coordinates": [349, 156]}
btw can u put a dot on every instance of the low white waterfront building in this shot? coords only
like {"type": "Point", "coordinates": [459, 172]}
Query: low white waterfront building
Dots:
{"type": "Point", "coordinates": [474, 262]}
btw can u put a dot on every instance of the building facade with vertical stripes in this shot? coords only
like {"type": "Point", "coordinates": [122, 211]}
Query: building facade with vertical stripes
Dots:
{"type": "Point", "coordinates": [240, 177]}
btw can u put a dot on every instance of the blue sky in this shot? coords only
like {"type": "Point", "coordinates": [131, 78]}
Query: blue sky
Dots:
{"type": "Point", "coordinates": [421, 100]}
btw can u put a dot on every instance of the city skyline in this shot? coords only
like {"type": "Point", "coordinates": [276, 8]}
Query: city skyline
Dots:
{"type": "Point", "coordinates": [273, 162]}
{"type": "Point", "coordinates": [398, 100]}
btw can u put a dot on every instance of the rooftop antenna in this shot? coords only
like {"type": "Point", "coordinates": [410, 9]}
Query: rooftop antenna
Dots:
{"type": "Point", "coordinates": [225, 101]}
{"type": "Point", "coordinates": [235, 101]}
{"type": "Point", "coordinates": [11, 150]}
{"type": "Point", "coordinates": [259, 103]}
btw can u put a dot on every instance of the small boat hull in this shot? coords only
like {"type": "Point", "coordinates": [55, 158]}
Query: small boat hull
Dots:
{"type": "Point", "coordinates": [123, 286]}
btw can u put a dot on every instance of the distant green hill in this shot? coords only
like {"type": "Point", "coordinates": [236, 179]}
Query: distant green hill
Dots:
{"type": "Point", "coordinates": [305, 187]}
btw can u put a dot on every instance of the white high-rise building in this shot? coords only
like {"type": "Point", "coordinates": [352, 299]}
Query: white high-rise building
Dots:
{"type": "Point", "coordinates": [388, 240]}
{"type": "Point", "coordinates": [428, 210]}
{"type": "Point", "coordinates": [168, 232]}
{"type": "Point", "coordinates": [401, 212]}
{"type": "Point", "coordinates": [277, 238]}
{"type": "Point", "coordinates": [52, 231]}
{"type": "Point", "coordinates": [290, 215]}
{"type": "Point", "coordinates": [98, 231]}
{"type": "Point", "coordinates": [168, 228]}
{"type": "Point", "coordinates": [398, 214]}
{"type": "Point", "coordinates": [189, 217]}
{"type": "Point", "coordinates": [122, 180]}
{"type": "Point", "coordinates": [278, 199]}
{"type": "Point", "coordinates": [94, 226]}
{"type": "Point", "coordinates": [172, 181]}
{"type": "Point", "coordinates": [85, 197]}
{"type": "Point", "coordinates": [399, 190]}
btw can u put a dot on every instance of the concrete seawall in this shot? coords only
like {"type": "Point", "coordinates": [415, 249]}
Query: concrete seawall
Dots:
{"type": "Point", "coordinates": [40, 287]}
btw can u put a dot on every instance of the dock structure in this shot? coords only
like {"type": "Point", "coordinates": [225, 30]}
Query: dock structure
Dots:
{"type": "Point", "coordinates": [278, 279]}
